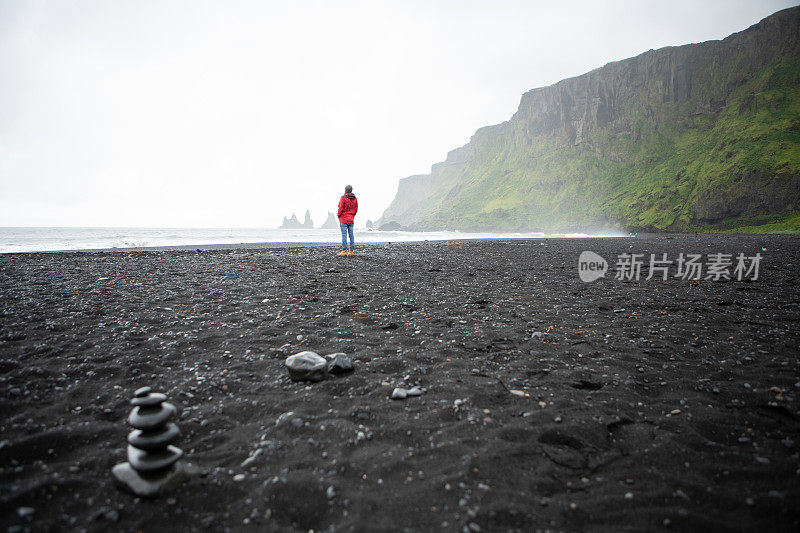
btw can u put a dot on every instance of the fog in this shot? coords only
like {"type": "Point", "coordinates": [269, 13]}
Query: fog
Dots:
{"type": "Point", "coordinates": [236, 114]}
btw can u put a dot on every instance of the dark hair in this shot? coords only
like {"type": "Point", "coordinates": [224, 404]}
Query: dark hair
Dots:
{"type": "Point", "coordinates": [348, 188]}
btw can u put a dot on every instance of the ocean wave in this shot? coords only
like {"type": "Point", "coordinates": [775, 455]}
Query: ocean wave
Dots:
{"type": "Point", "coordinates": [14, 240]}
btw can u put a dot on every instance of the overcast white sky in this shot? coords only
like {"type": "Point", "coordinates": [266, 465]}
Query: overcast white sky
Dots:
{"type": "Point", "coordinates": [234, 113]}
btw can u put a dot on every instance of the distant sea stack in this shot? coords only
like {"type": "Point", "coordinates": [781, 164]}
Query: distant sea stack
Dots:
{"type": "Point", "coordinates": [702, 136]}
{"type": "Point", "coordinates": [331, 222]}
{"type": "Point", "coordinates": [293, 223]}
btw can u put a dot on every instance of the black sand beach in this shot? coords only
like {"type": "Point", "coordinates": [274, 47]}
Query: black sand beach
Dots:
{"type": "Point", "coordinates": [644, 405]}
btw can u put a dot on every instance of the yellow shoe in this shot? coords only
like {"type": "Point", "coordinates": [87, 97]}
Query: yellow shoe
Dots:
{"type": "Point", "coordinates": [342, 253]}
{"type": "Point", "coordinates": [350, 252]}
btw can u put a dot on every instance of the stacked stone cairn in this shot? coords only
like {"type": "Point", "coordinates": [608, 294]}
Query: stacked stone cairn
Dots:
{"type": "Point", "coordinates": [152, 468]}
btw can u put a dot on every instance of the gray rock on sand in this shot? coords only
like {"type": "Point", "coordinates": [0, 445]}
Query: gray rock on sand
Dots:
{"type": "Point", "coordinates": [339, 363]}
{"type": "Point", "coordinates": [23, 512]}
{"type": "Point", "coordinates": [400, 393]}
{"type": "Point", "coordinates": [307, 366]}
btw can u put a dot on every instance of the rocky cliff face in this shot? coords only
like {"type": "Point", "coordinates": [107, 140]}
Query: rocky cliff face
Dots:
{"type": "Point", "coordinates": [674, 138]}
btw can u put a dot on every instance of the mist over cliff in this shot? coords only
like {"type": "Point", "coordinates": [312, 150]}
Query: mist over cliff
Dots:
{"type": "Point", "coordinates": [698, 136]}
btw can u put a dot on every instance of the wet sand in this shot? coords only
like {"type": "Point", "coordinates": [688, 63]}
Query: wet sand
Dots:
{"type": "Point", "coordinates": [638, 405]}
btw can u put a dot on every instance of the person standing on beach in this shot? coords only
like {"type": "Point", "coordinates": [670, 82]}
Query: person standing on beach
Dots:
{"type": "Point", "coordinates": [348, 207]}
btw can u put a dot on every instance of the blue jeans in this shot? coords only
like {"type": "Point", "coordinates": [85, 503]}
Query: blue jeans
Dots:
{"type": "Point", "coordinates": [347, 229]}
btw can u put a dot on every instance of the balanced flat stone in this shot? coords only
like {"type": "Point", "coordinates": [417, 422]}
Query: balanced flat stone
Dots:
{"type": "Point", "coordinates": [154, 398]}
{"type": "Point", "coordinates": [154, 440]}
{"type": "Point", "coordinates": [148, 485]}
{"type": "Point", "coordinates": [144, 461]}
{"type": "Point", "coordinates": [339, 363]}
{"type": "Point", "coordinates": [307, 366]}
{"type": "Point", "coordinates": [144, 391]}
{"type": "Point", "coordinates": [151, 417]}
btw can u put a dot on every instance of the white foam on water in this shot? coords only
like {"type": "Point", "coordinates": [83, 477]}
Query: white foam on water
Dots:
{"type": "Point", "coordinates": [58, 239]}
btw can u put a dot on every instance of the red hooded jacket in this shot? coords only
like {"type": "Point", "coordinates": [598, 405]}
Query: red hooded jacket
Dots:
{"type": "Point", "coordinates": [348, 207]}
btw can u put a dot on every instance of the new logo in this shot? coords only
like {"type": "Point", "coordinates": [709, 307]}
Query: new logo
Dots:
{"type": "Point", "coordinates": [591, 266]}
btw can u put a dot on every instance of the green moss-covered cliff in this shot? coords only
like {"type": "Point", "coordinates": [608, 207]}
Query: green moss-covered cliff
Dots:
{"type": "Point", "coordinates": [702, 136]}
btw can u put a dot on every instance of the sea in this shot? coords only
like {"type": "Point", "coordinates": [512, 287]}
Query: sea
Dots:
{"type": "Point", "coordinates": [30, 239]}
